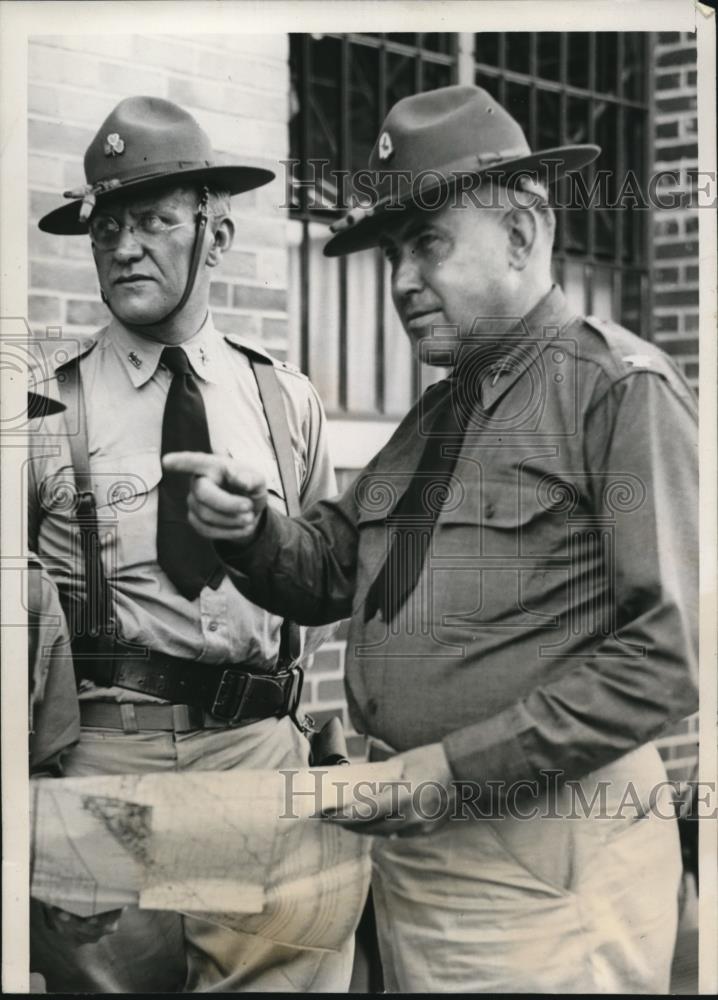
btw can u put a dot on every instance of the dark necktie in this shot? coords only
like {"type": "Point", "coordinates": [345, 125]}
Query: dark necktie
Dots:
{"type": "Point", "coordinates": [414, 517]}
{"type": "Point", "coordinates": [188, 559]}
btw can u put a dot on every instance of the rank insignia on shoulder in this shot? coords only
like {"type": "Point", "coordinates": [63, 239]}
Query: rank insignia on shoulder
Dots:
{"type": "Point", "coordinates": [132, 357]}
{"type": "Point", "coordinates": [638, 360]}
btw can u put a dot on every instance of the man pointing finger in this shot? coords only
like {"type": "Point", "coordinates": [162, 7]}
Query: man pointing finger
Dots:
{"type": "Point", "coordinates": [226, 499]}
{"type": "Point", "coordinates": [519, 564]}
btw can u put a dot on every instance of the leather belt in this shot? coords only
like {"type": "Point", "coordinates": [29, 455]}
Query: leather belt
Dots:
{"type": "Point", "coordinates": [226, 691]}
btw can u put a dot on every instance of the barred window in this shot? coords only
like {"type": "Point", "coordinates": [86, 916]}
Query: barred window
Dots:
{"type": "Point", "coordinates": [343, 327]}
{"type": "Point", "coordinates": [562, 87]}
{"type": "Point", "coordinates": [581, 87]}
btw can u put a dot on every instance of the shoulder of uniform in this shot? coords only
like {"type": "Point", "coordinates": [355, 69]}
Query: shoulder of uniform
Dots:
{"type": "Point", "coordinates": [79, 348]}
{"type": "Point", "coordinates": [54, 355]}
{"type": "Point", "coordinates": [624, 354]}
{"type": "Point", "coordinates": [250, 348]}
{"type": "Point", "coordinates": [285, 366]}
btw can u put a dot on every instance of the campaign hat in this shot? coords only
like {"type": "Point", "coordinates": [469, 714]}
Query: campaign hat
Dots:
{"type": "Point", "coordinates": [432, 139]}
{"type": "Point", "coordinates": [142, 142]}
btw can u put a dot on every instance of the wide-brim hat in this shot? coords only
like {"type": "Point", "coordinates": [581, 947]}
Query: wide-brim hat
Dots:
{"type": "Point", "coordinates": [428, 141]}
{"type": "Point", "coordinates": [144, 141]}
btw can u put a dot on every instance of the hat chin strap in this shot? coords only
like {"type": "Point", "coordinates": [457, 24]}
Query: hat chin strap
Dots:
{"type": "Point", "coordinates": [202, 219]}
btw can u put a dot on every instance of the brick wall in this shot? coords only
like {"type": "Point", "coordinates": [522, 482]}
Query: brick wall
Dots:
{"type": "Point", "coordinates": [675, 279]}
{"type": "Point", "coordinates": [236, 86]}
{"type": "Point", "coordinates": [675, 286]}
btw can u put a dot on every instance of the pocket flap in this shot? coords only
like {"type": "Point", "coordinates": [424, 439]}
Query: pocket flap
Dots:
{"type": "Point", "coordinates": [118, 480]}
{"type": "Point", "coordinates": [495, 502]}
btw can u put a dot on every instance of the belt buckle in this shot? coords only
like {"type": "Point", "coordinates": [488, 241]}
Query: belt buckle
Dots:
{"type": "Point", "coordinates": [232, 685]}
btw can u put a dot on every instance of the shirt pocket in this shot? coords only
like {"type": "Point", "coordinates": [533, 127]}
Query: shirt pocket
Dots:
{"type": "Point", "coordinates": [513, 515]}
{"type": "Point", "coordinates": [125, 488]}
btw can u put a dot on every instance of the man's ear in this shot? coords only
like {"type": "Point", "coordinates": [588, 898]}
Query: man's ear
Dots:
{"type": "Point", "coordinates": [222, 239]}
{"type": "Point", "coordinates": [521, 229]}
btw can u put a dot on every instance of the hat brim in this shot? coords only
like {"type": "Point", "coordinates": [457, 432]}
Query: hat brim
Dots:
{"type": "Point", "coordinates": [65, 221]}
{"type": "Point", "coordinates": [366, 233]}
{"type": "Point", "coordinates": [42, 406]}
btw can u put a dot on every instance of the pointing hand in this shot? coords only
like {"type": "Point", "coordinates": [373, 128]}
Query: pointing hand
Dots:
{"type": "Point", "coordinates": [226, 499]}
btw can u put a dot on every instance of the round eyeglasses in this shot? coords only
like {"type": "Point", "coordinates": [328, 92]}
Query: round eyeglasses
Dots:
{"type": "Point", "coordinates": [106, 231]}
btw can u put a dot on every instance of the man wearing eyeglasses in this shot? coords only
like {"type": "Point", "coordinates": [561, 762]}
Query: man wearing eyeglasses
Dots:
{"type": "Point", "coordinates": [159, 377]}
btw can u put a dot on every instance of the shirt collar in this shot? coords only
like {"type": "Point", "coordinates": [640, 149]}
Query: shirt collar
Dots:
{"type": "Point", "coordinates": [140, 356]}
{"type": "Point", "coordinates": [517, 347]}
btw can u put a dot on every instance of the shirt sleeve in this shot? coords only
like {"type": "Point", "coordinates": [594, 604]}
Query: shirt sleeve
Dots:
{"type": "Point", "coordinates": [301, 568]}
{"type": "Point", "coordinates": [641, 446]}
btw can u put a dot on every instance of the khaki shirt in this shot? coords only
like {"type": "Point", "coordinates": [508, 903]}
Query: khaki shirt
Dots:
{"type": "Point", "coordinates": [125, 389]}
{"type": "Point", "coordinates": [54, 714]}
{"type": "Point", "coordinates": [555, 621]}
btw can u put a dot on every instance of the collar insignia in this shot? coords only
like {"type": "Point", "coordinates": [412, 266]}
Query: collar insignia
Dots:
{"type": "Point", "coordinates": [133, 359]}
{"type": "Point", "coordinates": [505, 366]}
{"type": "Point", "coordinates": [386, 146]}
{"type": "Point", "coordinates": [114, 144]}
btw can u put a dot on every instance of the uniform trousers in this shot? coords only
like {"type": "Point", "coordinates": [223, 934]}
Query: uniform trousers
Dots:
{"type": "Point", "coordinates": [571, 900]}
{"type": "Point", "coordinates": [155, 951]}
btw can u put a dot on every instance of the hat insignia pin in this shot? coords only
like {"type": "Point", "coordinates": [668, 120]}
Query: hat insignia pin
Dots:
{"type": "Point", "coordinates": [114, 144]}
{"type": "Point", "coordinates": [386, 146]}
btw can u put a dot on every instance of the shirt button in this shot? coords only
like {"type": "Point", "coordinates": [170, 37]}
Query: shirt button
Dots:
{"type": "Point", "coordinates": [373, 706]}
{"type": "Point", "coordinates": [213, 626]}
{"type": "Point", "coordinates": [489, 510]}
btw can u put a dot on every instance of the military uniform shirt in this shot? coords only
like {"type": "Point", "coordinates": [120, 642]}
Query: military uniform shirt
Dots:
{"type": "Point", "coordinates": [125, 389]}
{"type": "Point", "coordinates": [554, 625]}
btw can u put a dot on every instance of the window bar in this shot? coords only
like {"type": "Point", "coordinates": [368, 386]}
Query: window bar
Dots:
{"type": "Point", "coordinates": [305, 70]}
{"type": "Point", "coordinates": [461, 50]}
{"type": "Point", "coordinates": [644, 297]}
{"type": "Point", "coordinates": [502, 67]}
{"type": "Point", "coordinates": [588, 275]}
{"type": "Point", "coordinates": [344, 147]}
{"type": "Point", "coordinates": [416, 375]}
{"type": "Point", "coordinates": [591, 168]}
{"type": "Point", "coordinates": [418, 73]}
{"type": "Point", "coordinates": [616, 293]}
{"type": "Point", "coordinates": [380, 370]}
{"type": "Point", "coordinates": [647, 248]}
{"type": "Point", "coordinates": [563, 77]}
{"type": "Point", "coordinates": [620, 151]}
{"type": "Point", "coordinates": [533, 91]}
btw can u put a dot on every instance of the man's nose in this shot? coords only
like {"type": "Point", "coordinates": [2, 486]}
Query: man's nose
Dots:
{"type": "Point", "coordinates": [406, 275]}
{"type": "Point", "coordinates": [128, 246]}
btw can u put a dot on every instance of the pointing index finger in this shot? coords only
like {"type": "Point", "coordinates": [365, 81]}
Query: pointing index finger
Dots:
{"type": "Point", "coordinates": [197, 463]}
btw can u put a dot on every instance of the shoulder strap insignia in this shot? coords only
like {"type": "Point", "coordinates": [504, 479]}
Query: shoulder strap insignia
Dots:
{"type": "Point", "coordinates": [289, 367]}
{"type": "Point", "coordinates": [638, 360]}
